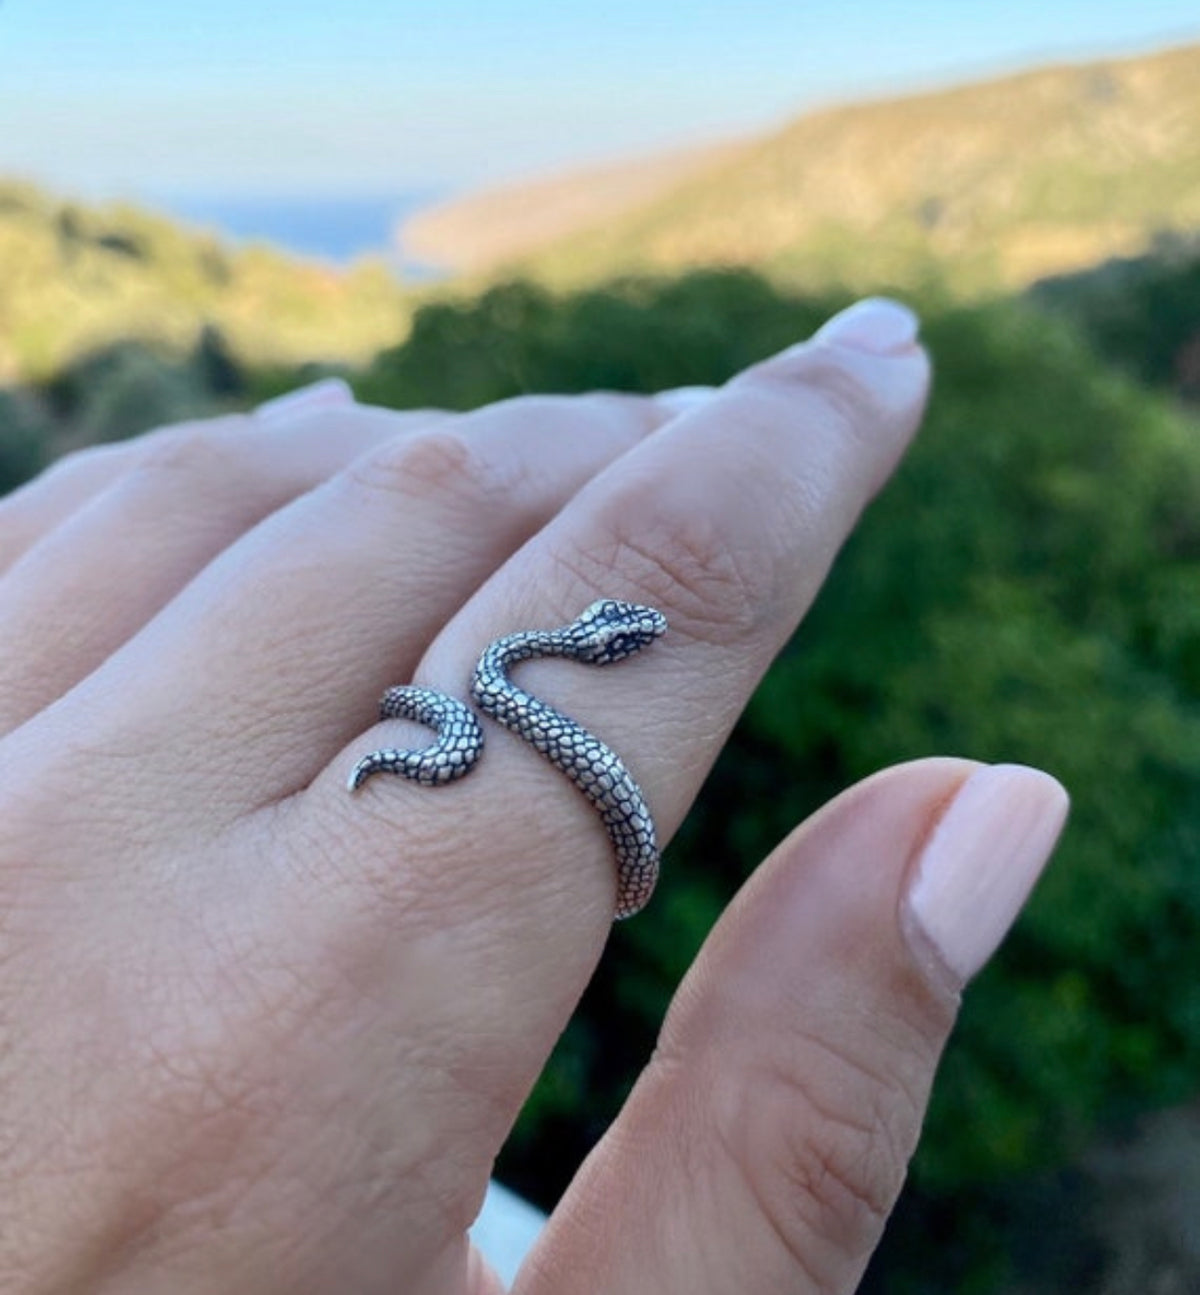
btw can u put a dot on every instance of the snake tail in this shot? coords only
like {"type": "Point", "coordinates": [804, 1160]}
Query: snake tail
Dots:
{"type": "Point", "coordinates": [606, 632]}
{"type": "Point", "coordinates": [458, 746]}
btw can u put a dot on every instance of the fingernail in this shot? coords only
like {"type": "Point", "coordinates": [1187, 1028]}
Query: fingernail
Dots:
{"type": "Point", "coordinates": [980, 864]}
{"type": "Point", "coordinates": [678, 400]}
{"type": "Point", "coordinates": [876, 325]}
{"type": "Point", "coordinates": [328, 391]}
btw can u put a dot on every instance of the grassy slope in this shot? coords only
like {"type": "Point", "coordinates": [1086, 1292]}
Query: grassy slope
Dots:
{"type": "Point", "coordinates": [475, 233]}
{"type": "Point", "coordinates": [999, 183]}
{"type": "Point", "coordinates": [73, 278]}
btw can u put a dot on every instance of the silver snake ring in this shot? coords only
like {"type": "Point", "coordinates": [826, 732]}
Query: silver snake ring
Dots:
{"type": "Point", "coordinates": [607, 631]}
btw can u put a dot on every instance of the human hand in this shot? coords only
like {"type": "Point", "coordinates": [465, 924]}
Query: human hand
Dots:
{"type": "Point", "coordinates": [257, 1034]}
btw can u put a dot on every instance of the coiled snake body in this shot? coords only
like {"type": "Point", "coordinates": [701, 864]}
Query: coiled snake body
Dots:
{"type": "Point", "coordinates": [607, 631]}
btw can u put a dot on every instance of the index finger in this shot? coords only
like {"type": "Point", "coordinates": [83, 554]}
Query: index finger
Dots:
{"type": "Point", "coordinates": [499, 889]}
{"type": "Point", "coordinates": [726, 521]}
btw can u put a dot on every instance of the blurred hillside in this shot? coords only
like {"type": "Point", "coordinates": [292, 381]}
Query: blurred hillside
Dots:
{"type": "Point", "coordinates": [479, 231]}
{"type": "Point", "coordinates": [75, 278]}
{"type": "Point", "coordinates": [997, 184]}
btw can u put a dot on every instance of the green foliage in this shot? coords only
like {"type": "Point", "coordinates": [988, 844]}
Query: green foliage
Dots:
{"type": "Point", "coordinates": [1022, 592]}
{"type": "Point", "coordinates": [217, 368]}
{"type": "Point", "coordinates": [141, 392]}
{"type": "Point", "coordinates": [23, 426]}
{"type": "Point", "coordinates": [1142, 314]}
{"type": "Point", "coordinates": [131, 387]}
{"type": "Point", "coordinates": [1029, 578]}
{"type": "Point", "coordinates": [631, 335]}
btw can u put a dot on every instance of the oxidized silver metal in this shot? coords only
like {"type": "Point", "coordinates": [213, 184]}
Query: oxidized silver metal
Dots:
{"type": "Point", "coordinates": [607, 631]}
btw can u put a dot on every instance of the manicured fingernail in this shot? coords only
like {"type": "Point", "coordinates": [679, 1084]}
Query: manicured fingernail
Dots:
{"type": "Point", "coordinates": [679, 400]}
{"type": "Point", "coordinates": [876, 325]}
{"type": "Point", "coordinates": [329, 391]}
{"type": "Point", "coordinates": [980, 864]}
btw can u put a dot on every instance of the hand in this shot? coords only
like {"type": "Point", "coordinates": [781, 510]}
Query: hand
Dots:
{"type": "Point", "coordinates": [258, 1035]}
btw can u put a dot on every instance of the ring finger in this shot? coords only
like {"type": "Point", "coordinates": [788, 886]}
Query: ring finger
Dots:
{"type": "Point", "coordinates": [101, 544]}
{"type": "Point", "coordinates": [33, 510]}
{"type": "Point", "coordinates": [500, 888]}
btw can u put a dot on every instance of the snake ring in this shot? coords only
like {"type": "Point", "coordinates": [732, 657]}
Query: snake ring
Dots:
{"type": "Point", "coordinates": [607, 631]}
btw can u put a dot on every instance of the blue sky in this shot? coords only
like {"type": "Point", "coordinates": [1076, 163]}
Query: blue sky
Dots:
{"type": "Point", "coordinates": [345, 96]}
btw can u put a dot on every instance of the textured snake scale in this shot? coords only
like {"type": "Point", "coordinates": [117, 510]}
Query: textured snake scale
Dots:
{"type": "Point", "coordinates": [607, 631]}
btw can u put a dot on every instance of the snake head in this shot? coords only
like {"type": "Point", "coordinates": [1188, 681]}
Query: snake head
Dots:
{"type": "Point", "coordinates": [610, 630]}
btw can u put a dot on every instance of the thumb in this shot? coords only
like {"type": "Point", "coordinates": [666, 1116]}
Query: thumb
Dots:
{"type": "Point", "coordinates": [765, 1144]}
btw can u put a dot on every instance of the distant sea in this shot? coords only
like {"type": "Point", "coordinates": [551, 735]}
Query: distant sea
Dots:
{"type": "Point", "coordinates": [333, 229]}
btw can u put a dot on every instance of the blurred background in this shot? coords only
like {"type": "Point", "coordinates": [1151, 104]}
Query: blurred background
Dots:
{"type": "Point", "coordinates": [202, 206]}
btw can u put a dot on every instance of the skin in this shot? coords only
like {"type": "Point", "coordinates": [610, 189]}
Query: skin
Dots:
{"type": "Point", "coordinates": [259, 1035]}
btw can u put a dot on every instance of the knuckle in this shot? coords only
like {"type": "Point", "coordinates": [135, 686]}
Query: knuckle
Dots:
{"type": "Point", "coordinates": [557, 411]}
{"type": "Point", "coordinates": [86, 459]}
{"type": "Point", "coordinates": [534, 407]}
{"type": "Point", "coordinates": [624, 405]}
{"type": "Point", "coordinates": [655, 546]}
{"type": "Point", "coordinates": [834, 394]}
{"type": "Point", "coordinates": [823, 1151]}
{"type": "Point", "coordinates": [435, 464]}
{"type": "Point", "coordinates": [194, 452]}
{"type": "Point", "coordinates": [575, 415]}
